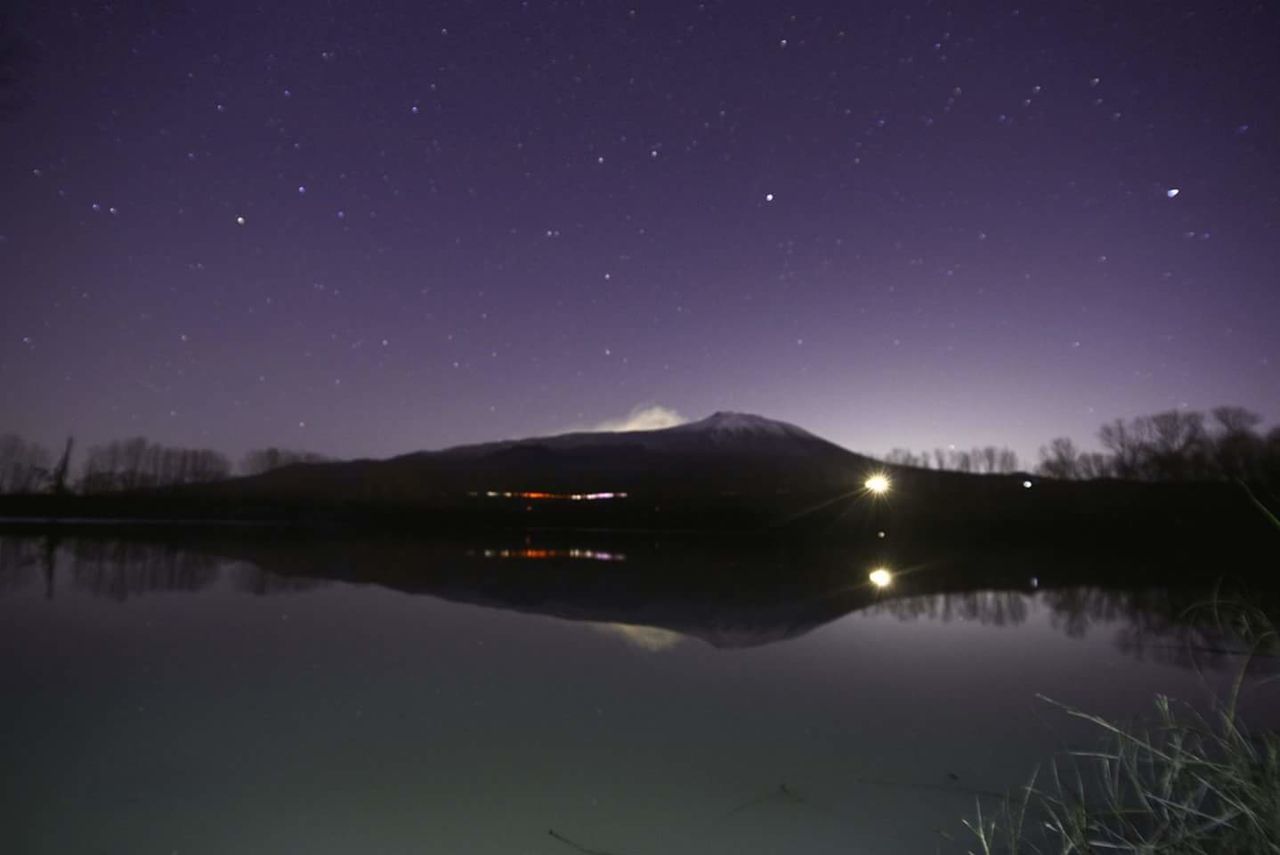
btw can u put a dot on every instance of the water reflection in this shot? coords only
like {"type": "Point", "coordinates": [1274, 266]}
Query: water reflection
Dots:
{"type": "Point", "coordinates": [989, 608]}
{"type": "Point", "coordinates": [538, 554]}
{"type": "Point", "coordinates": [252, 579]}
{"type": "Point", "coordinates": [120, 569]}
{"type": "Point", "coordinates": [651, 638]}
{"type": "Point", "coordinates": [654, 593]}
{"type": "Point", "coordinates": [20, 563]}
{"type": "Point", "coordinates": [1172, 626]}
{"type": "Point", "coordinates": [331, 696]}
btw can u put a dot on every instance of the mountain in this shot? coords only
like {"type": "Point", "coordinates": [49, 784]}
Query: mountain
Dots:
{"type": "Point", "coordinates": [720, 432]}
{"type": "Point", "coordinates": [722, 455]}
{"type": "Point", "coordinates": [728, 471]}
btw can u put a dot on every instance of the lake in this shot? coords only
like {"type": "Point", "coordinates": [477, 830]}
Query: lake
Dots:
{"type": "Point", "coordinates": [261, 693]}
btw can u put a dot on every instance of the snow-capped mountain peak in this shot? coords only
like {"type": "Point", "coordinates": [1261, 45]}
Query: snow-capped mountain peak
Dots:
{"type": "Point", "coordinates": [726, 423]}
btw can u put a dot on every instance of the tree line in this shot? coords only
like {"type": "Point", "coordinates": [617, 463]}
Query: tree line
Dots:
{"type": "Point", "coordinates": [986, 460]}
{"type": "Point", "coordinates": [1226, 443]}
{"type": "Point", "coordinates": [128, 464]}
{"type": "Point", "coordinates": [1175, 445]}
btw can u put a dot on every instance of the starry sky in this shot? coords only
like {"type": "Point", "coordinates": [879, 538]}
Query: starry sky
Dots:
{"type": "Point", "coordinates": [363, 228]}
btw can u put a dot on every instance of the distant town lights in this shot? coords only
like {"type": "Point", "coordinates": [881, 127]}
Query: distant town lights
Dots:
{"type": "Point", "coordinates": [877, 484]}
{"type": "Point", "coordinates": [539, 495]}
{"type": "Point", "coordinates": [880, 577]}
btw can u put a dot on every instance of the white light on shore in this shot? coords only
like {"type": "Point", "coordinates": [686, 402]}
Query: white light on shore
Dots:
{"type": "Point", "coordinates": [877, 484]}
{"type": "Point", "coordinates": [880, 577]}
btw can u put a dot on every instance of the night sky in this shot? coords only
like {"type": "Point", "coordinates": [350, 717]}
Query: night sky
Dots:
{"type": "Point", "coordinates": [365, 229]}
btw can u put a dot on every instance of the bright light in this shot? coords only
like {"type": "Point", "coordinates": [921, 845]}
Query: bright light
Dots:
{"type": "Point", "coordinates": [1026, 485]}
{"type": "Point", "coordinates": [878, 484]}
{"type": "Point", "coordinates": [880, 577]}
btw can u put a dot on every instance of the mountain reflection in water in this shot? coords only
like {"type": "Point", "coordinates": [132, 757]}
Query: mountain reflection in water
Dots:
{"type": "Point", "coordinates": [256, 690]}
{"type": "Point", "coordinates": [654, 594]}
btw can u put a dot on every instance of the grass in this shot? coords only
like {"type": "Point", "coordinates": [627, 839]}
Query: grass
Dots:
{"type": "Point", "coordinates": [1183, 783]}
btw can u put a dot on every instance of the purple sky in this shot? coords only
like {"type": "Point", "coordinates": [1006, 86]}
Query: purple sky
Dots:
{"type": "Point", "coordinates": [896, 224]}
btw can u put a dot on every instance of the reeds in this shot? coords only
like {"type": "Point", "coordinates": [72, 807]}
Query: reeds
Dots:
{"type": "Point", "coordinates": [1183, 782]}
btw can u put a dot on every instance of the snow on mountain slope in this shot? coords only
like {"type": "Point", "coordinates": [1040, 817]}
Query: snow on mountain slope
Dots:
{"type": "Point", "coordinates": [719, 432]}
{"type": "Point", "coordinates": [729, 424]}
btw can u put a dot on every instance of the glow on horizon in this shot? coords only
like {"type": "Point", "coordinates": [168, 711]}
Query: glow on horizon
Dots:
{"type": "Point", "coordinates": [880, 577]}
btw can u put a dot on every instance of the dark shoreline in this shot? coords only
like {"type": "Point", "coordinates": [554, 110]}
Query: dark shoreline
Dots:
{"type": "Point", "coordinates": [963, 509]}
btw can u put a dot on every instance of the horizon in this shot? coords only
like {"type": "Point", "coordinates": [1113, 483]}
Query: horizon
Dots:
{"type": "Point", "coordinates": [655, 419]}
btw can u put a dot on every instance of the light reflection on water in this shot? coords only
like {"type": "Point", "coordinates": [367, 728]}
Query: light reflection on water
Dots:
{"type": "Point", "coordinates": [651, 638]}
{"type": "Point", "coordinates": [397, 697]}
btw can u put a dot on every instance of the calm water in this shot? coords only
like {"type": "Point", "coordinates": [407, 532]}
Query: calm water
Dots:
{"type": "Point", "coordinates": [633, 697]}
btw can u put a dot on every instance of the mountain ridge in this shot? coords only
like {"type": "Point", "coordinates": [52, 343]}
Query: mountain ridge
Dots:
{"type": "Point", "coordinates": [720, 427]}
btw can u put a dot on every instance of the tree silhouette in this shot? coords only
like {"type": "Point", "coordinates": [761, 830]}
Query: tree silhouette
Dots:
{"type": "Point", "coordinates": [24, 466]}
{"type": "Point", "coordinates": [1175, 445]}
{"type": "Point", "coordinates": [265, 459]}
{"type": "Point", "coordinates": [989, 459]}
{"type": "Point", "coordinates": [1060, 459]}
{"type": "Point", "coordinates": [60, 472]}
{"type": "Point", "coordinates": [135, 463]}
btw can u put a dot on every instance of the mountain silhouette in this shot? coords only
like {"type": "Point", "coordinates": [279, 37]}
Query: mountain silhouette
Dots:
{"type": "Point", "coordinates": [734, 471]}
{"type": "Point", "coordinates": [723, 455]}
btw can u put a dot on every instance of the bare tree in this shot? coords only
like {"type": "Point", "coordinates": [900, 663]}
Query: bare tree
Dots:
{"type": "Point", "coordinates": [1127, 443]}
{"type": "Point", "coordinates": [1167, 446]}
{"type": "Point", "coordinates": [1178, 444]}
{"type": "Point", "coordinates": [24, 466]}
{"type": "Point", "coordinates": [1235, 420]}
{"type": "Point", "coordinates": [1093, 464]}
{"type": "Point", "coordinates": [1060, 459]}
{"type": "Point", "coordinates": [1237, 450]}
{"type": "Point", "coordinates": [136, 463]}
{"type": "Point", "coordinates": [59, 485]}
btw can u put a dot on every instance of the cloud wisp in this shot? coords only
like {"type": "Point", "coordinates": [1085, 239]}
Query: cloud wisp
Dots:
{"type": "Point", "coordinates": [643, 417]}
